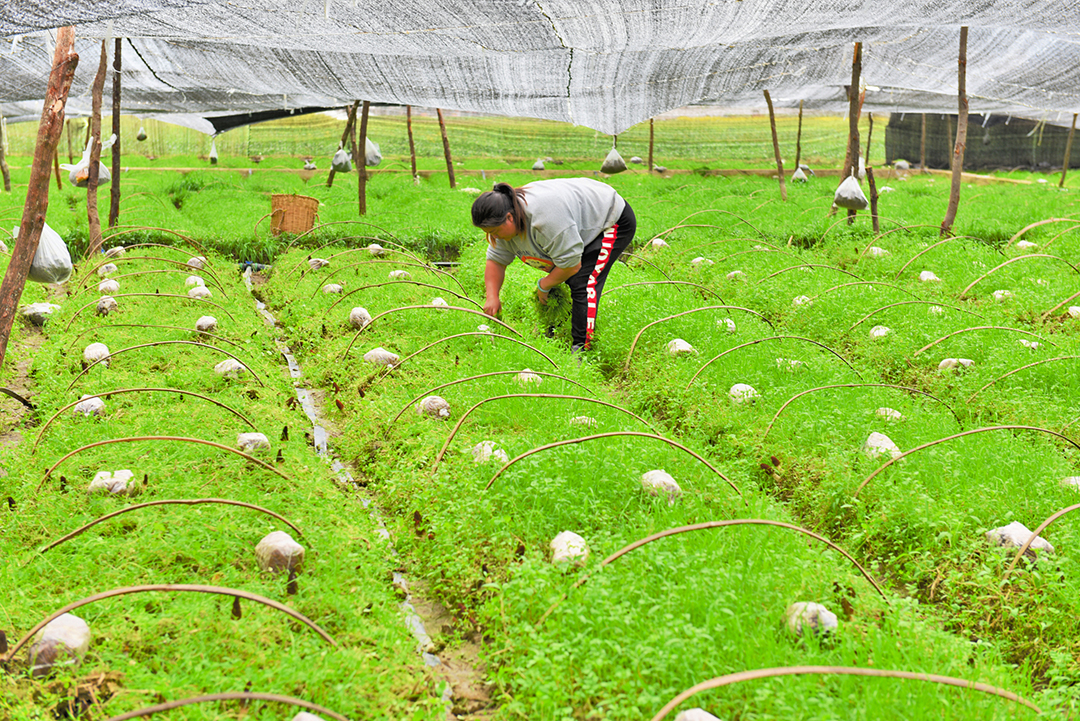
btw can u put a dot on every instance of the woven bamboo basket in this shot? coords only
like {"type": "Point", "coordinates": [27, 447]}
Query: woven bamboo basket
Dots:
{"type": "Point", "coordinates": [292, 213]}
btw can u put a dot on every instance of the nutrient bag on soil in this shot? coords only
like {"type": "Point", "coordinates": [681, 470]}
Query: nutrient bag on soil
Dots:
{"type": "Point", "coordinates": [372, 154]}
{"type": "Point", "coordinates": [613, 163]}
{"type": "Point", "coordinates": [849, 195]}
{"type": "Point", "coordinates": [341, 162]}
{"type": "Point", "coordinates": [52, 262]}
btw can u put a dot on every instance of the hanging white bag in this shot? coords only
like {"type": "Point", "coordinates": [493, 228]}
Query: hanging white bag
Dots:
{"type": "Point", "coordinates": [79, 173]}
{"type": "Point", "coordinates": [52, 262]}
{"type": "Point", "coordinates": [341, 162]}
{"type": "Point", "coordinates": [613, 163]}
{"type": "Point", "coordinates": [372, 154]}
{"type": "Point", "coordinates": [213, 152]}
{"type": "Point", "coordinates": [849, 195]}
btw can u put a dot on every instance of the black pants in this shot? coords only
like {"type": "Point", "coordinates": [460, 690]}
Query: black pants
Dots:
{"type": "Point", "coordinates": [588, 283]}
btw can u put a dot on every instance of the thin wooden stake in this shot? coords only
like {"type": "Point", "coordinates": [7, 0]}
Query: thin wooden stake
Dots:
{"type": "Point", "coordinates": [798, 140]}
{"type": "Point", "coordinates": [3, 158]}
{"type": "Point", "coordinates": [870, 177]}
{"type": "Point", "coordinates": [776, 147]}
{"type": "Point", "coordinates": [37, 193]}
{"type": "Point", "coordinates": [412, 145]}
{"type": "Point", "coordinates": [56, 169]}
{"type": "Point", "coordinates": [650, 144]}
{"type": "Point", "coordinates": [360, 153]}
{"type": "Point", "coordinates": [961, 137]}
{"type": "Point", "coordinates": [851, 159]}
{"type": "Point", "coordinates": [92, 217]}
{"type": "Point", "coordinates": [922, 146]}
{"type": "Point", "coordinates": [446, 149]}
{"type": "Point", "coordinates": [71, 152]}
{"type": "Point", "coordinates": [345, 135]}
{"type": "Point", "coordinates": [114, 196]}
{"type": "Point", "coordinates": [1061, 184]}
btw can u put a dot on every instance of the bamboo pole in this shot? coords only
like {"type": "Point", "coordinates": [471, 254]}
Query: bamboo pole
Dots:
{"type": "Point", "coordinates": [798, 140]}
{"type": "Point", "coordinates": [851, 159]}
{"type": "Point", "coordinates": [776, 147]}
{"type": "Point", "coordinates": [412, 145]}
{"type": "Point", "coordinates": [650, 144]}
{"type": "Point", "coordinates": [345, 135]}
{"type": "Point", "coordinates": [446, 149]}
{"type": "Point", "coordinates": [37, 193]}
{"type": "Point", "coordinates": [71, 152]}
{"type": "Point", "coordinates": [961, 136]}
{"type": "Point", "coordinates": [870, 177]}
{"type": "Point", "coordinates": [922, 146]}
{"type": "Point", "coordinates": [56, 168]}
{"type": "Point", "coordinates": [360, 153]}
{"type": "Point", "coordinates": [114, 195]}
{"type": "Point", "coordinates": [92, 217]}
{"type": "Point", "coordinates": [1064, 164]}
{"type": "Point", "coordinates": [3, 158]}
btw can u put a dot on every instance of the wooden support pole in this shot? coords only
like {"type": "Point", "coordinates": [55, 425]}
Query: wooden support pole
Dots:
{"type": "Point", "coordinates": [851, 159]}
{"type": "Point", "coordinates": [650, 144]}
{"type": "Point", "coordinates": [798, 140]}
{"type": "Point", "coordinates": [922, 146]}
{"type": "Point", "coordinates": [71, 151]}
{"type": "Point", "coordinates": [961, 137]}
{"type": "Point", "coordinates": [345, 135]}
{"type": "Point", "coordinates": [446, 149]}
{"type": "Point", "coordinates": [1064, 164]}
{"type": "Point", "coordinates": [360, 152]}
{"type": "Point", "coordinates": [776, 147]}
{"type": "Point", "coordinates": [37, 192]}
{"type": "Point", "coordinates": [93, 220]}
{"type": "Point", "coordinates": [114, 195]}
{"type": "Point", "coordinates": [56, 168]}
{"type": "Point", "coordinates": [412, 145]}
{"type": "Point", "coordinates": [870, 177]}
{"type": "Point", "coordinates": [7, 173]}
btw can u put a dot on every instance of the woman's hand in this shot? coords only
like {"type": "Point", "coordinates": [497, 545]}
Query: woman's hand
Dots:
{"type": "Point", "coordinates": [541, 296]}
{"type": "Point", "coordinates": [493, 306]}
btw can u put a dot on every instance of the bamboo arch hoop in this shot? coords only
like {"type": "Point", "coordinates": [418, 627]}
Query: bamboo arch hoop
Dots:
{"type": "Point", "coordinates": [1036, 224]}
{"type": "Point", "coordinates": [907, 302]}
{"type": "Point", "coordinates": [1050, 312]}
{"type": "Point", "coordinates": [713, 210]}
{"type": "Point", "coordinates": [483, 334]}
{"type": "Point", "coordinates": [127, 259]}
{"type": "Point", "coordinates": [427, 307]}
{"type": "Point", "coordinates": [1067, 230]}
{"type": "Point", "coordinates": [168, 502]}
{"type": "Point", "coordinates": [762, 340]}
{"type": "Point", "coordinates": [705, 526]}
{"type": "Point", "coordinates": [408, 405]}
{"type": "Point", "coordinates": [334, 272]}
{"type": "Point", "coordinates": [1017, 370]}
{"type": "Point", "coordinates": [113, 354]}
{"type": "Point", "coordinates": [930, 345]}
{"type": "Point", "coordinates": [182, 587]}
{"type": "Point", "coordinates": [400, 282]}
{"type": "Point", "coordinates": [1035, 534]}
{"type": "Point", "coordinates": [865, 282]}
{"type": "Point", "coordinates": [457, 426]}
{"type": "Point", "coordinates": [958, 435]}
{"type": "Point", "coordinates": [119, 391]}
{"type": "Point", "coordinates": [215, 281]}
{"type": "Point", "coordinates": [759, 673]}
{"type": "Point", "coordinates": [1009, 262]}
{"type": "Point", "coordinates": [669, 282]}
{"type": "Point", "coordinates": [758, 250]}
{"type": "Point", "coordinates": [334, 222]}
{"type": "Point", "coordinates": [630, 353]}
{"type": "Point", "coordinates": [928, 249]}
{"type": "Point", "coordinates": [863, 219]}
{"type": "Point", "coordinates": [233, 696]}
{"type": "Point", "coordinates": [791, 400]}
{"type": "Point", "coordinates": [615, 434]}
{"type": "Point", "coordinates": [398, 249]}
{"type": "Point", "coordinates": [686, 251]}
{"type": "Point", "coordinates": [132, 228]}
{"type": "Point", "coordinates": [182, 439]}
{"type": "Point", "coordinates": [812, 265]}
{"type": "Point", "coordinates": [626, 254]}
{"type": "Point", "coordinates": [150, 295]}
{"type": "Point", "coordinates": [146, 325]}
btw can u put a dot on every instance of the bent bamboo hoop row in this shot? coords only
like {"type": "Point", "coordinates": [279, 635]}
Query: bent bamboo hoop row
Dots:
{"type": "Point", "coordinates": [926, 250]}
{"type": "Point", "coordinates": [201, 333]}
{"type": "Point", "coordinates": [113, 354]}
{"type": "Point", "coordinates": [791, 400]}
{"type": "Point", "coordinates": [759, 673]}
{"type": "Point", "coordinates": [453, 432]}
{"type": "Point", "coordinates": [428, 268]}
{"type": "Point", "coordinates": [931, 344]}
{"type": "Point", "coordinates": [711, 210]}
{"type": "Point", "coordinates": [669, 282]}
{"type": "Point", "coordinates": [132, 228]}
{"type": "Point", "coordinates": [215, 281]}
{"type": "Point", "coordinates": [1009, 262]}
{"type": "Point", "coordinates": [120, 391]}
{"type": "Point", "coordinates": [1017, 370]}
{"type": "Point", "coordinates": [232, 696]}
{"type": "Point", "coordinates": [181, 439]}
{"type": "Point", "coordinates": [633, 345]}
{"type": "Point", "coordinates": [1036, 224]}
{"type": "Point", "coordinates": [865, 282]}
{"type": "Point", "coordinates": [1035, 534]}
{"type": "Point", "coordinates": [130, 259]}
{"type": "Point", "coordinates": [201, 301]}
{"type": "Point", "coordinates": [425, 307]}
{"type": "Point", "coordinates": [300, 263]}
{"type": "Point", "coordinates": [183, 587]}
{"type": "Point", "coordinates": [614, 434]}
{"type": "Point", "coordinates": [399, 282]}
{"type": "Point", "coordinates": [813, 265]}
{"type": "Point", "coordinates": [627, 254]}
{"type": "Point", "coordinates": [907, 302]}
{"type": "Point", "coordinates": [701, 527]}
{"type": "Point", "coordinates": [335, 222]}
{"type": "Point", "coordinates": [762, 340]}
{"type": "Point", "coordinates": [168, 502]}
{"type": "Point", "coordinates": [429, 392]}
{"type": "Point", "coordinates": [959, 435]}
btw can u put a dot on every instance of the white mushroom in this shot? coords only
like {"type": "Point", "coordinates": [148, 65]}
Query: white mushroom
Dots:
{"type": "Point", "coordinates": [701, 261]}
{"type": "Point", "coordinates": [1002, 295]}
{"type": "Point", "coordinates": [586, 421]}
{"type": "Point", "coordinates": [439, 302]}
{"type": "Point", "coordinates": [736, 275]}
{"type": "Point", "coordinates": [115, 252]}
{"type": "Point", "coordinates": [875, 252]}
{"type": "Point", "coordinates": [889, 414]}
{"type": "Point", "coordinates": [198, 262]}
{"type": "Point", "coordinates": [1032, 344]}
{"type": "Point", "coordinates": [376, 250]}
{"type": "Point", "coordinates": [658, 243]}
{"type": "Point", "coordinates": [1026, 244]}
{"type": "Point", "coordinates": [485, 451]}
{"type": "Point", "coordinates": [936, 310]}
{"type": "Point", "coordinates": [788, 364]}
{"type": "Point", "coordinates": [801, 300]}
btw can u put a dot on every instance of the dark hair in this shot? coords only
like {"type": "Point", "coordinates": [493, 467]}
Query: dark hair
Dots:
{"type": "Point", "coordinates": [490, 209]}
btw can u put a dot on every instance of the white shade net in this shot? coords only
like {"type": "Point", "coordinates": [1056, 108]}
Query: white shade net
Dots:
{"type": "Point", "coordinates": [605, 64]}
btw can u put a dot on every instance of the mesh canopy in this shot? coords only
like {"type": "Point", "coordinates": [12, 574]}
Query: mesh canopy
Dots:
{"type": "Point", "coordinates": [605, 64]}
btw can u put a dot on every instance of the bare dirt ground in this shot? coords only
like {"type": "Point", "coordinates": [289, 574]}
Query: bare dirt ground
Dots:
{"type": "Point", "coordinates": [25, 342]}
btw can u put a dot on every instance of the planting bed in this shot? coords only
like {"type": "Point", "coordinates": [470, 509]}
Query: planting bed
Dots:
{"type": "Point", "coordinates": [830, 334]}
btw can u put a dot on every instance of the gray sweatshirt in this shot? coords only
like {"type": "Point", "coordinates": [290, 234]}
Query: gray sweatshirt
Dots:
{"type": "Point", "coordinates": [562, 216]}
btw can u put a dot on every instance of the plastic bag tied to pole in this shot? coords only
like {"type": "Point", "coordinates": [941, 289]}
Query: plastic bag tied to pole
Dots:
{"type": "Point", "coordinates": [79, 174]}
{"type": "Point", "coordinates": [372, 154]}
{"type": "Point", "coordinates": [849, 195]}
{"type": "Point", "coordinates": [52, 261]}
{"type": "Point", "coordinates": [342, 161]}
{"type": "Point", "coordinates": [613, 163]}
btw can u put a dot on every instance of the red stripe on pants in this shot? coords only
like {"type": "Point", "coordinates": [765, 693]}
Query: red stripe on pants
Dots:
{"type": "Point", "coordinates": [590, 288]}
